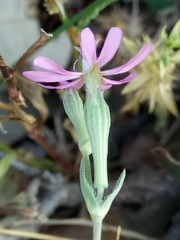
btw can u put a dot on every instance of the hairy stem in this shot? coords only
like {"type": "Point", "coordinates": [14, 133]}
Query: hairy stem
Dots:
{"type": "Point", "coordinates": [97, 228]}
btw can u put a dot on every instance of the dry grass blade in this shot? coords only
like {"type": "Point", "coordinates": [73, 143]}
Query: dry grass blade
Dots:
{"type": "Point", "coordinates": [87, 223]}
{"type": "Point", "coordinates": [118, 233]}
{"type": "Point", "coordinates": [163, 152]}
{"type": "Point", "coordinates": [31, 235]}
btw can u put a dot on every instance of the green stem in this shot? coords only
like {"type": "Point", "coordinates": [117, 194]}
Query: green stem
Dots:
{"type": "Point", "coordinates": [97, 228]}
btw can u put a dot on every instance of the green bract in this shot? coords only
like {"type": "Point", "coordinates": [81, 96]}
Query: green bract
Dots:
{"type": "Point", "coordinates": [98, 208]}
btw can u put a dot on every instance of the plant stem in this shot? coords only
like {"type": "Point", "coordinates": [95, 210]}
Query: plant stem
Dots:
{"type": "Point", "coordinates": [97, 228]}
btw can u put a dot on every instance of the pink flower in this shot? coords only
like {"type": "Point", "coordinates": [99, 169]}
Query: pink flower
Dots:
{"type": "Point", "coordinates": [54, 73]}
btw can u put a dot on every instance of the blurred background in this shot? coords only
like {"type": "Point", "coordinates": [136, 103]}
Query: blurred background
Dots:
{"type": "Point", "coordinates": [39, 180]}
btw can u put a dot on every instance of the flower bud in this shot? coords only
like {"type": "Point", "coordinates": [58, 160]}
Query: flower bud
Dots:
{"type": "Point", "coordinates": [74, 108]}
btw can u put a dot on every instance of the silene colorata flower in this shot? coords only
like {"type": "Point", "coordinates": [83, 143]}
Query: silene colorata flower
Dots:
{"type": "Point", "coordinates": [54, 73]}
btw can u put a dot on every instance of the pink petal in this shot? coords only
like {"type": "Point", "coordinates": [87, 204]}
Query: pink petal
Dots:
{"type": "Point", "coordinates": [117, 82]}
{"type": "Point", "coordinates": [142, 54]}
{"type": "Point", "coordinates": [110, 47]}
{"type": "Point", "coordinates": [88, 46]}
{"type": "Point", "coordinates": [79, 84]}
{"type": "Point", "coordinates": [105, 86]}
{"type": "Point", "coordinates": [75, 84]}
{"type": "Point", "coordinates": [50, 65]}
{"type": "Point", "coordinates": [41, 76]}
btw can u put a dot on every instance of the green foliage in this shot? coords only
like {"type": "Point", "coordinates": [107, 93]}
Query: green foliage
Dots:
{"type": "Point", "coordinates": [92, 11]}
{"type": "Point", "coordinates": [173, 40]}
{"type": "Point", "coordinates": [8, 188]}
{"type": "Point", "coordinates": [43, 163]}
{"type": "Point", "coordinates": [83, 18]}
{"type": "Point", "coordinates": [174, 36]}
{"type": "Point", "coordinates": [157, 5]}
{"type": "Point", "coordinates": [5, 163]}
{"type": "Point", "coordinates": [27, 158]}
{"type": "Point", "coordinates": [5, 148]}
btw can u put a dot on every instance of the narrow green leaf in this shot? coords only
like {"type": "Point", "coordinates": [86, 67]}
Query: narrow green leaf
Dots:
{"type": "Point", "coordinates": [87, 190]}
{"type": "Point", "coordinates": [5, 163]}
{"type": "Point", "coordinates": [175, 31]}
{"type": "Point", "coordinates": [107, 203]}
{"type": "Point", "coordinates": [82, 19]}
{"type": "Point", "coordinates": [92, 11]}
{"type": "Point", "coordinates": [42, 163]}
{"type": "Point", "coordinates": [174, 36]}
{"type": "Point", "coordinates": [5, 148]}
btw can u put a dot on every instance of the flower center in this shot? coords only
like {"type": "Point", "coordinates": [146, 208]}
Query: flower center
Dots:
{"type": "Point", "coordinates": [92, 79]}
{"type": "Point", "coordinates": [85, 66]}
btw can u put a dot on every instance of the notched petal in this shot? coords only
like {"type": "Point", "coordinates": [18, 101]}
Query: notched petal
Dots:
{"type": "Point", "coordinates": [88, 46]}
{"type": "Point", "coordinates": [127, 79]}
{"type": "Point", "coordinates": [41, 76]}
{"type": "Point", "coordinates": [50, 65]}
{"type": "Point", "coordinates": [142, 54]}
{"type": "Point", "coordinates": [110, 47]}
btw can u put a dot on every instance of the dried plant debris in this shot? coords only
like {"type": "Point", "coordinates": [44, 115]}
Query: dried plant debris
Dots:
{"type": "Point", "coordinates": [54, 6]}
{"type": "Point", "coordinates": [34, 94]}
{"type": "Point", "coordinates": [16, 97]}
